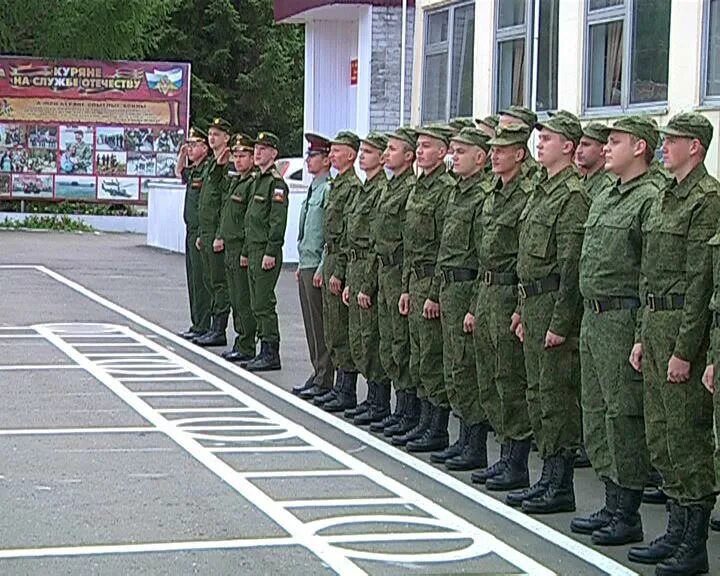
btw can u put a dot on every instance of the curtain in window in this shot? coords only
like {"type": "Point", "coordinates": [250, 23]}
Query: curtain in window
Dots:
{"type": "Point", "coordinates": [613, 62]}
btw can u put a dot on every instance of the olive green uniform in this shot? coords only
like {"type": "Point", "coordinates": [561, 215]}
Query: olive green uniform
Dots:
{"type": "Point", "coordinates": [612, 392]}
{"type": "Point", "coordinates": [232, 227]}
{"type": "Point", "coordinates": [265, 222]}
{"type": "Point", "coordinates": [597, 182]}
{"type": "Point", "coordinates": [425, 216]}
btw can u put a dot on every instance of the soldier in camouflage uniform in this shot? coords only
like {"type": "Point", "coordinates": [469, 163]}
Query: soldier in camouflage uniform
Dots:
{"type": "Point", "coordinates": [232, 231]}
{"type": "Point", "coordinates": [385, 289]}
{"type": "Point", "coordinates": [488, 125]}
{"type": "Point", "coordinates": [590, 159]}
{"type": "Point", "coordinates": [343, 189]}
{"type": "Point", "coordinates": [515, 115]}
{"type": "Point", "coordinates": [425, 213]}
{"type": "Point", "coordinates": [457, 269]}
{"type": "Point", "coordinates": [499, 355]}
{"type": "Point", "coordinates": [212, 196]}
{"type": "Point", "coordinates": [191, 166]}
{"type": "Point", "coordinates": [677, 285]}
{"type": "Point", "coordinates": [551, 234]}
{"type": "Point", "coordinates": [265, 222]}
{"type": "Point", "coordinates": [362, 315]}
{"type": "Point", "coordinates": [609, 283]}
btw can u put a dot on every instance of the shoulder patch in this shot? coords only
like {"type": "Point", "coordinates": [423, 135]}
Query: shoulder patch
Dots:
{"type": "Point", "coordinates": [278, 194]}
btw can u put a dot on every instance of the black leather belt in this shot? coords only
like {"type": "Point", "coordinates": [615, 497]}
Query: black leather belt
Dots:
{"type": "Point", "coordinates": [458, 274]}
{"type": "Point", "coordinates": [667, 302]}
{"type": "Point", "coordinates": [421, 272]}
{"type": "Point", "coordinates": [600, 305]}
{"type": "Point", "coordinates": [490, 277]}
{"type": "Point", "coordinates": [716, 320]}
{"type": "Point", "coordinates": [395, 259]}
{"type": "Point", "coordinates": [548, 284]}
{"type": "Point", "coordinates": [358, 254]}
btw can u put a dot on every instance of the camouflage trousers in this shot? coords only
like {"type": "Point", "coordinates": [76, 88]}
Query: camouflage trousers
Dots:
{"type": "Point", "coordinates": [363, 331]}
{"type": "Point", "coordinates": [426, 347]}
{"type": "Point", "coordinates": [335, 322]}
{"type": "Point", "coordinates": [500, 363]}
{"type": "Point", "coordinates": [553, 377]}
{"type": "Point", "coordinates": [678, 417]}
{"type": "Point", "coordinates": [612, 399]}
{"type": "Point", "coordinates": [262, 293]}
{"type": "Point", "coordinates": [213, 264]}
{"type": "Point", "coordinates": [713, 357]}
{"type": "Point", "coordinates": [198, 293]}
{"type": "Point", "coordinates": [393, 328]}
{"type": "Point", "coordinates": [239, 292]}
{"type": "Point", "coordinates": [459, 354]}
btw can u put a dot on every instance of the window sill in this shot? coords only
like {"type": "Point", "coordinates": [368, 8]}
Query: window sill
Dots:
{"type": "Point", "coordinates": [709, 105]}
{"type": "Point", "coordinates": [614, 113]}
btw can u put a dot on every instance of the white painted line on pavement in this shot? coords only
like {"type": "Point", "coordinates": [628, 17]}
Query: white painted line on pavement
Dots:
{"type": "Point", "coordinates": [262, 449]}
{"type": "Point", "coordinates": [20, 367]}
{"type": "Point", "coordinates": [61, 431]}
{"type": "Point", "coordinates": [343, 502]}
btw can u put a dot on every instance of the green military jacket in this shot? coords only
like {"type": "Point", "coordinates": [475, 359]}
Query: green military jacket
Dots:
{"type": "Point", "coordinates": [424, 222]}
{"type": "Point", "coordinates": [595, 183]}
{"type": "Point", "coordinates": [266, 215]}
{"type": "Point", "coordinates": [232, 218]}
{"type": "Point", "coordinates": [612, 247]}
{"type": "Point", "coordinates": [311, 241]}
{"type": "Point", "coordinates": [343, 189]}
{"type": "Point", "coordinates": [551, 234]}
{"type": "Point", "coordinates": [357, 242]}
{"type": "Point", "coordinates": [193, 176]}
{"type": "Point", "coordinates": [659, 174]}
{"type": "Point", "coordinates": [212, 196]}
{"type": "Point", "coordinates": [532, 169]}
{"type": "Point", "coordinates": [676, 256]}
{"type": "Point", "coordinates": [713, 354]}
{"type": "Point", "coordinates": [387, 226]}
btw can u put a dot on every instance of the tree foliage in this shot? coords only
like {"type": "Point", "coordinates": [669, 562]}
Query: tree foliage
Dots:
{"type": "Point", "coordinates": [244, 67]}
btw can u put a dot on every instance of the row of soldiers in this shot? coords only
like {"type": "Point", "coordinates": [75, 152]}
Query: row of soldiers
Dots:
{"type": "Point", "coordinates": [541, 299]}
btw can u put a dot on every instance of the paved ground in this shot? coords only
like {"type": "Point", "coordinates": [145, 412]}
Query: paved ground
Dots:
{"type": "Point", "coordinates": [127, 451]}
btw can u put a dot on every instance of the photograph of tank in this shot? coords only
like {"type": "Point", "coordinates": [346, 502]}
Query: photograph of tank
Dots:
{"type": "Point", "coordinates": [32, 186]}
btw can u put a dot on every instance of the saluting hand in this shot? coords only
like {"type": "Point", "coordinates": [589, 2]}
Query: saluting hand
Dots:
{"type": "Point", "coordinates": [678, 370]}
{"type": "Point", "coordinates": [364, 301]}
{"type": "Point", "coordinates": [708, 378]}
{"type": "Point", "coordinates": [469, 323]}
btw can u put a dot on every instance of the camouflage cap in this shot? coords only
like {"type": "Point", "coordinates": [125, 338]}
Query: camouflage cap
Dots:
{"type": "Point", "coordinates": [376, 140]}
{"type": "Point", "coordinates": [196, 135]}
{"type": "Point", "coordinates": [268, 139]}
{"type": "Point", "coordinates": [242, 143]}
{"type": "Point", "coordinates": [509, 135]}
{"type": "Point", "coordinates": [489, 121]}
{"type": "Point", "coordinates": [596, 131]}
{"type": "Point", "coordinates": [458, 124]}
{"type": "Point", "coordinates": [318, 144]}
{"type": "Point", "coordinates": [473, 137]}
{"type": "Point", "coordinates": [563, 123]}
{"type": "Point", "coordinates": [221, 124]}
{"type": "Point", "coordinates": [347, 138]}
{"type": "Point", "coordinates": [521, 113]}
{"type": "Point", "coordinates": [642, 127]}
{"type": "Point", "coordinates": [406, 135]}
{"type": "Point", "coordinates": [440, 132]}
{"type": "Point", "coordinates": [690, 125]}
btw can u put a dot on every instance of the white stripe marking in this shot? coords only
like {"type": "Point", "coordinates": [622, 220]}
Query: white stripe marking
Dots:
{"type": "Point", "coordinates": [60, 431]}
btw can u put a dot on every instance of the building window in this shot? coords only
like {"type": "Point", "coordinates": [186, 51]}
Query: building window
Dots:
{"type": "Point", "coordinates": [712, 49]}
{"type": "Point", "coordinates": [514, 74]}
{"type": "Point", "coordinates": [627, 50]}
{"type": "Point", "coordinates": [448, 63]}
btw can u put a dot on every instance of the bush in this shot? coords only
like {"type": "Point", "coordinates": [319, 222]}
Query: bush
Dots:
{"type": "Point", "coordinates": [58, 222]}
{"type": "Point", "coordinates": [70, 207]}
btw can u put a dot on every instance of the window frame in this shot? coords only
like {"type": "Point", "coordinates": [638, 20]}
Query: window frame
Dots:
{"type": "Point", "coordinates": [624, 14]}
{"type": "Point", "coordinates": [445, 47]}
{"type": "Point", "coordinates": [709, 100]}
{"type": "Point", "coordinates": [517, 32]}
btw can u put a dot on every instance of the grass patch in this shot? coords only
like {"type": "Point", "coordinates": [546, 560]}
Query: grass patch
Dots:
{"type": "Point", "coordinates": [54, 222]}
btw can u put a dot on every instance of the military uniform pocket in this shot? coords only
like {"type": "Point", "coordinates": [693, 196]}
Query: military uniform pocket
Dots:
{"type": "Point", "coordinates": [538, 238]}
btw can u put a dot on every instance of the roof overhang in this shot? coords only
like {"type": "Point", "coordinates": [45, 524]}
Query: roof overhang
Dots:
{"type": "Point", "coordinates": [289, 10]}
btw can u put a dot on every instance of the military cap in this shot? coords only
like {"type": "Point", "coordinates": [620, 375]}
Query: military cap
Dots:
{"type": "Point", "coordinates": [642, 127]}
{"type": "Point", "coordinates": [489, 121]}
{"type": "Point", "coordinates": [318, 144]}
{"type": "Point", "coordinates": [440, 132]}
{"type": "Point", "coordinates": [268, 139]}
{"type": "Point", "coordinates": [563, 123]}
{"type": "Point", "coordinates": [596, 131]}
{"type": "Point", "coordinates": [376, 140]}
{"type": "Point", "coordinates": [690, 125]}
{"type": "Point", "coordinates": [221, 124]}
{"type": "Point", "coordinates": [406, 135]}
{"type": "Point", "coordinates": [242, 142]}
{"type": "Point", "coordinates": [347, 138]}
{"type": "Point", "coordinates": [521, 113]}
{"type": "Point", "coordinates": [458, 124]}
{"type": "Point", "coordinates": [509, 135]}
{"type": "Point", "coordinates": [196, 135]}
{"type": "Point", "coordinates": [473, 137]}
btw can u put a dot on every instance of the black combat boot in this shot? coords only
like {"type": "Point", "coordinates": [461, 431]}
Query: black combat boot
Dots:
{"type": "Point", "coordinates": [422, 423]}
{"type": "Point", "coordinates": [516, 474]}
{"type": "Point", "coordinates": [625, 527]}
{"type": "Point", "coordinates": [481, 476]}
{"type": "Point", "coordinates": [560, 493]}
{"type": "Point", "coordinates": [347, 398]}
{"type": "Point", "coordinates": [216, 335]}
{"type": "Point", "coordinates": [307, 385]}
{"type": "Point", "coordinates": [581, 458]}
{"type": "Point", "coordinates": [267, 360]}
{"type": "Point", "coordinates": [515, 499]}
{"type": "Point", "coordinates": [474, 452]}
{"type": "Point", "coordinates": [394, 417]}
{"type": "Point", "coordinates": [715, 523]}
{"type": "Point", "coordinates": [653, 493]}
{"type": "Point", "coordinates": [380, 408]}
{"type": "Point", "coordinates": [408, 419]}
{"type": "Point", "coordinates": [237, 356]}
{"type": "Point", "coordinates": [191, 333]}
{"type": "Point", "coordinates": [691, 556]}
{"type": "Point", "coordinates": [325, 396]}
{"type": "Point", "coordinates": [455, 449]}
{"type": "Point", "coordinates": [600, 518]}
{"type": "Point", "coordinates": [364, 406]}
{"type": "Point", "coordinates": [664, 545]}
{"type": "Point", "coordinates": [435, 436]}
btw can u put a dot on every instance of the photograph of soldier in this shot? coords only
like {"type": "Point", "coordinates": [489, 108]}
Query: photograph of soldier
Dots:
{"type": "Point", "coordinates": [109, 138]}
{"type": "Point", "coordinates": [168, 140]}
{"type": "Point", "coordinates": [43, 137]}
{"type": "Point", "coordinates": [165, 165]}
{"type": "Point", "coordinates": [111, 163]}
{"type": "Point", "coordinates": [12, 135]}
{"type": "Point", "coordinates": [41, 161]}
{"type": "Point", "coordinates": [76, 150]}
{"type": "Point", "coordinates": [139, 139]}
{"type": "Point", "coordinates": [140, 164]}
{"type": "Point", "coordinates": [4, 185]}
{"type": "Point", "coordinates": [13, 160]}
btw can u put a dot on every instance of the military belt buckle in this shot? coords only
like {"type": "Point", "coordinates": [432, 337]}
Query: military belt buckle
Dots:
{"type": "Point", "coordinates": [521, 291]}
{"type": "Point", "coordinates": [595, 306]}
{"type": "Point", "coordinates": [651, 302]}
{"type": "Point", "coordinates": [353, 254]}
{"type": "Point", "coordinates": [488, 277]}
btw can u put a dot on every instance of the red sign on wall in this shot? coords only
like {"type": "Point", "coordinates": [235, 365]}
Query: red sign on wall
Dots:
{"type": "Point", "coordinates": [353, 72]}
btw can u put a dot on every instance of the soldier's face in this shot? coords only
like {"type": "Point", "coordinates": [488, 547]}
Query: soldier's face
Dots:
{"type": "Point", "coordinates": [589, 153]}
{"type": "Point", "coordinates": [466, 159]}
{"type": "Point", "coordinates": [397, 154]}
{"type": "Point", "coordinates": [218, 139]}
{"type": "Point", "coordinates": [264, 155]}
{"type": "Point", "coordinates": [505, 159]}
{"type": "Point", "coordinates": [342, 156]}
{"type": "Point", "coordinates": [430, 152]}
{"type": "Point", "coordinates": [243, 160]}
{"type": "Point", "coordinates": [620, 151]}
{"type": "Point", "coordinates": [370, 158]}
{"type": "Point", "coordinates": [677, 151]}
{"type": "Point", "coordinates": [551, 147]}
{"type": "Point", "coordinates": [317, 163]}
